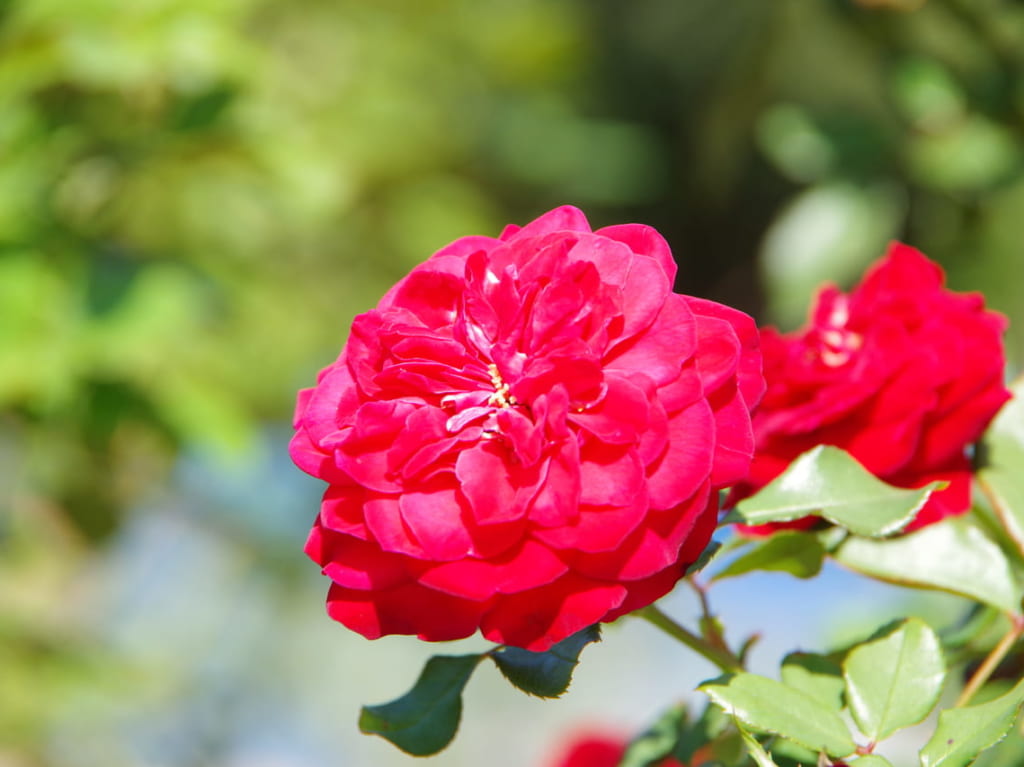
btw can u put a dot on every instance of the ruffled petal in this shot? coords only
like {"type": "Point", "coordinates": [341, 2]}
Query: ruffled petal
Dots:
{"type": "Point", "coordinates": [536, 619]}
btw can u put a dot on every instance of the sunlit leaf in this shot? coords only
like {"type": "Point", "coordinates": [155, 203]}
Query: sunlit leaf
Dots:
{"type": "Point", "coordinates": [954, 555]}
{"type": "Point", "coordinates": [817, 676]}
{"type": "Point", "coordinates": [827, 482]}
{"type": "Point", "coordinates": [963, 733]}
{"type": "Point", "coordinates": [894, 681]}
{"type": "Point", "coordinates": [765, 705]}
{"type": "Point", "coordinates": [425, 719]}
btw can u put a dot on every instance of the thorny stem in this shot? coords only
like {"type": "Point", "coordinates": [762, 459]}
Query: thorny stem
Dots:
{"type": "Point", "coordinates": [721, 657]}
{"type": "Point", "coordinates": [709, 624]}
{"type": "Point", "coordinates": [702, 594]}
{"type": "Point", "coordinates": [992, 660]}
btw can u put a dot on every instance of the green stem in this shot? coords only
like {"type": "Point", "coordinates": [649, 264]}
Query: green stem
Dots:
{"type": "Point", "coordinates": [722, 658]}
{"type": "Point", "coordinates": [992, 661]}
{"type": "Point", "coordinates": [1001, 510]}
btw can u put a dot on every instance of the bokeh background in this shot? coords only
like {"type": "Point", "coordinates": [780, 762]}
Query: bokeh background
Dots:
{"type": "Point", "coordinates": [196, 196]}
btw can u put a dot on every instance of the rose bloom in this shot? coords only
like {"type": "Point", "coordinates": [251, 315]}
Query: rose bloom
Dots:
{"type": "Point", "coordinates": [526, 436]}
{"type": "Point", "coordinates": [601, 750]}
{"type": "Point", "coordinates": [901, 373]}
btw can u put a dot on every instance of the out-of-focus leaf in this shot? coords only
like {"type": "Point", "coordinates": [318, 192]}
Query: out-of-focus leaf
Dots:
{"type": "Point", "coordinates": [963, 733]}
{"type": "Point", "coordinates": [425, 719]}
{"type": "Point", "coordinates": [979, 619]}
{"type": "Point", "coordinates": [928, 94]}
{"type": "Point", "coordinates": [871, 760]}
{"type": "Point", "coordinates": [953, 555]}
{"type": "Point", "coordinates": [827, 482]}
{"type": "Point", "coordinates": [971, 155]}
{"type": "Point", "coordinates": [653, 745]}
{"type": "Point", "coordinates": [817, 676]}
{"type": "Point", "coordinates": [828, 232]}
{"type": "Point", "coordinates": [893, 681]}
{"type": "Point", "coordinates": [795, 553]}
{"type": "Point", "coordinates": [765, 705]}
{"type": "Point", "coordinates": [1001, 455]}
{"type": "Point", "coordinates": [791, 140]}
{"type": "Point", "coordinates": [707, 729]}
{"type": "Point", "coordinates": [545, 674]}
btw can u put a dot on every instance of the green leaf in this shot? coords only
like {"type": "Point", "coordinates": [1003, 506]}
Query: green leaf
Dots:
{"type": "Point", "coordinates": [816, 675]}
{"type": "Point", "coordinates": [425, 719]}
{"type": "Point", "coordinates": [893, 681]}
{"type": "Point", "coordinates": [765, 705]}
{"type": "Point", "coordinates": [953, 555]}
{"type": "Point", "coordinates": [963, 733]}
{"type": "Point", "coordinates": [705, 558]}
{"type": "Point", "coordinates": [978, 620]}
{"type": "Point", "coordinates": [795, 553]}
{"type": "Point", "coordinates": [827, 482]}
{"type": "Point", "coordinates": [790, 754]}
{"type": "Point", "coordinates": [1000, 456]}
{"type": "Point", "coordinates": [871, 760]}
{"type": "Point", "coordinates": [706, 730]}
{"type": "Point", "coordinates": [761, 757]}
{"type": "Point", "coordinates": [654, 744]}
{"type": "Point", "coordinates": [545, 674]}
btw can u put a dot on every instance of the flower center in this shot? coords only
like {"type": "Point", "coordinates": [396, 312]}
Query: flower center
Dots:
{"type": "Point", "coordinates": [838, 345]}
{"type": "Point", "coordinates": [502, 397]}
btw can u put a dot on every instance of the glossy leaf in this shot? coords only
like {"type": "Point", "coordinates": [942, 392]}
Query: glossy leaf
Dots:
{"type": "Point", "coordinates": [827, 482]}
{"type": "Point", "coordinates": [1001, 455]}
{"type": "Point", "coordinates": [425, 719]}
{"type": "Point", "coordinates": [963, 733]}
{"type": "Point", "coordinates": [795, 553]}
{"type": "Point", "coordinates": [545, 674]}
{"type": "Point", "coordinates": [766, 705]}
{"type": "Point", "coordinates": [954, 555]}
{"type": "Point", "coordinates": [817, 676]}
{"type": "Point", "coordinates": [894, 681]}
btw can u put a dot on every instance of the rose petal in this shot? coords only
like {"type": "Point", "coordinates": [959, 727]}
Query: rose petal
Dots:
{"type": "Point", "coordinates": [688, 459]}
{"type": "Point", "coordinates": [434, 514]}
{"type": "Point", "coordinates": [408, 609]}
{"type": "Point", "coordinates": [527, 567]}
{"type": "Point", "coordinates": [532, 619]}
{"type": "Point", "coordinates": [660, 352]}
{"type": "Point", "coordinates": [353, 563]}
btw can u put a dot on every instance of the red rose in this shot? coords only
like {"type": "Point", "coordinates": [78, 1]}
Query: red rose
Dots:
{"type": "Point", "coordinates": [901, 373]}
{"type": "Point", "coordinates": [600, 751]}
{"type": "Point", "coordinates": [526, 436]}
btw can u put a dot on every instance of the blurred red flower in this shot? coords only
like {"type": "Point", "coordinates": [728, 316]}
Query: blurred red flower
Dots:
{"type": "Point", "coordinates": [902, 373]}
{"type": "Point", "coordinates": [526, 436]}
{"type": "Point", "coordinates": [599, 751]}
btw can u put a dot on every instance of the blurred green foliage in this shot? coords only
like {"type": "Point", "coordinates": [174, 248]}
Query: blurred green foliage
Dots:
{"type": "Point", "coordinates": [196, 196]}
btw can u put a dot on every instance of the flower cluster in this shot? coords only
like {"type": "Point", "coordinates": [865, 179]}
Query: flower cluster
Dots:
{"type": "Point", "coordinates": [902, 373]}
{"type": "Point", "coordinates": [526, 436]}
